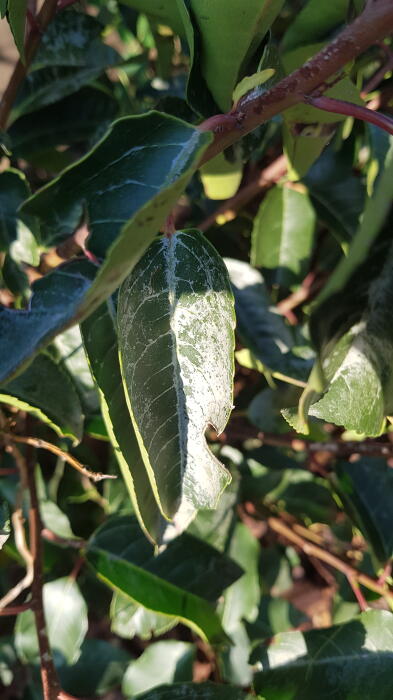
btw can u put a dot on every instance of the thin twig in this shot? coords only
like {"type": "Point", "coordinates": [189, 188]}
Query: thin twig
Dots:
{"type": "Point", "coordinates": [310, 286]}
{"type": "Point", "coordinates": [21, 545]}
{"type": "Point", "coordinates": [15, 609]}
{"type": "Point", "coordinates": [314, 550]}
{"type": "Point", "coordinates": [228, 210]}
{"type": "Point", "coordinates": [49, 677]}
{"type": "Point", "coordinates": [62, 541]}
{"type": "Point", "coordinates": [330, 104]}
{"type": "Point", "coordinates": [44, 17]}
{"type": "Point", "coordinates": [72, 461]}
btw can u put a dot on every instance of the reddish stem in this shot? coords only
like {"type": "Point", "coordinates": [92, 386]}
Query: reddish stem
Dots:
{"type": "Point", "coordinates": [15, 609]}
{"type": "Point", "coordinates": [330, 104]}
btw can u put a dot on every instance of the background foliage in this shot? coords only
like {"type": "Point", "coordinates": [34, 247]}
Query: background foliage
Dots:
{"type": "Point", "coordinates": [186, 556]}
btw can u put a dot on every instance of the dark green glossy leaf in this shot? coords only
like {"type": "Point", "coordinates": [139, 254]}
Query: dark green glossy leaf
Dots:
{"type": "Point", "coordinates": [99, 668]}
{"type": "Point", "coordinates": [36, 391]}
{"type": "Point", "coordinates": [69, 347]}
{"type": "Point", "coordinates": [124, 214]}
{"type": "Point", "coordinates": [338, 194]}
{"type": "Point", "coordinates": [100, 341]}
{"type": "Point", "coordinates": [13, 191]}
{"type": "Point", "coordinates": [260, 327]}
{"type": "Point", "coordinates": [366, 489]}
{"type": "Point", "coordinates": [162, 11]}
{"type": "Point", "coordinates": [149, 670]}
{"type": "Point", "coordinates": [70, 55]}
{"type": "Point", "coordinates": [171, 583]}
{"type": "Point", "coordinates": [282, 235]}
{"type": "Point", "coordinates": [54, 305]}
{"type": "Point", "coordinates": [66, 618]}
{"type": "Point", "coordinates": [354, 660]}
{"type": "Point", "coordinates": [175, 320]}
{"type": "Point", "coordinates": [78, 117]}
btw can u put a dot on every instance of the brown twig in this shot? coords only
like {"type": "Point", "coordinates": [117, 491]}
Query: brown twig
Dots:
{"type": "Point", "coordinates": [72, 461]}
{"type": "Point", "coordinates": [378, 75]}
{"type": "Point", "coordinates": [49, 677]}
{"type": "Point", "coordinates": [228, 210]}
{"type": "Point", "coordinates": [62, 541]}
{"type": "Point", "coordinates": [44, 17]}
{"type": "Point", "coordinates": [314, 550]}
{"type": "Point", "coordinates": [330, 104]}
{"type": "Point", "coordinates": [373, 24]}
{"type": "Point", "coordinates": [310, 286]}
{"type": "Point", "coordinates": [338, 448]}
{"type": "Point", "coordinates": [15, 609]}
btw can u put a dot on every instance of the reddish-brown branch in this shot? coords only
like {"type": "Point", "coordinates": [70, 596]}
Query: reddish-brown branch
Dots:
{"type": "Point", "coordinates": [375, 22]}
{"type": "Point", "coordinates": [15, 609]}
{"type": "Point", "coordinates": [41, 21]}
{"type": "Point", "coordinates": [330, 104]}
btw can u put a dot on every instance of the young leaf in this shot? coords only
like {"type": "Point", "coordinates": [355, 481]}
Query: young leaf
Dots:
{"type": "Point", "coordinates": [282, 235]}
{"type": "Point", "coordinates": [148, 671]}
{"type": "Point", "coordinates": [221, 178]}
{"type": "Point", "coordinates": [172, 583]}
{"type": "Point", "coordinates": [100, 341]}
{"type": "Point", "coordinates": [66, 619]}
{"type": "Point", "coordinates": [176, 321]}
{"type": "Point", "coordinates": [353, 660]}
{"type": "Point", "coordinates": [36, 391]}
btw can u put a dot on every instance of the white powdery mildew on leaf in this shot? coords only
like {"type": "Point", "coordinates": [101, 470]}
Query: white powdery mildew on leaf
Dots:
{"type": "Point", "coordinates": [176, 322]}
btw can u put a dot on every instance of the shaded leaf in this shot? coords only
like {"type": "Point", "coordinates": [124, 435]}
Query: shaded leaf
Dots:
{"type": "Point", "coordinates": [70, 55]}
{"type": "Point", "coordinates": [5, 524]}
{"type": "Point", "coordinates": [69, 345]}
{"type": "Point", "coordinates": [36, 391]}
{"type": "Point", "coordinates": [366, 489]}
{"type": "Point", "coordinates": [170, 583]}
{"type": "Point", "coordinates": [17, 20]}
{"type": "Point", "coordinates": [99, 668]}
{"type": "Point", "coordinates": [343, 661]}
{"type": "Point", "coordinates": [282, 235]}
{"type": "Point", "coordinates": [175, 320]}
{"type": "Point", "coordinates": [148, 670]}
{"type": "Point", "coordinates": [14, 189]}
{"type": "Point", "coordinates": [314, 22]}
{"type": "Point", "coordinates": [162, 11]}
{"type": "Point", "coordinates": [78, 117]}
{"type": "Point", "coordinates": [260, 327]}
{"type": "Point", "coordinates": [66, 618]}
{"type": "Point", "coordinates": [275, 615]}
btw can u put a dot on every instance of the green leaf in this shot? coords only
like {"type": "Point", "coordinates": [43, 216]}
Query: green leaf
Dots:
{"type": "Point", "coordinates": [282, 235]}
{"type": "Point", "coordinates": [5, 524]}
{"type": "Point", "coordinates": [220, 177]}
{"type": "Point", "coordinates": [353, 660]}
{"type": "Point", "coordinates": [77, 117]}
{"type": "Point", "coordinates": [14, 189]}
{"type": "Point", "coordinates": [128, 619]}
{"type": "Point", "coordinates": [275, 615]}
{"type": "Point", "coordinates": [162, 11]}
{"type": "Point", "coordinates": [172, 583]}
{"type": "Point", "coordinates": [194, 691]}
{"type": "Point", "coordinates": [338, 194]}
{"type": "Point", "coordinates": [100, 341]}
{"type": "Point", "coordinates": [366, 489]}
{"type": "Point", "coordinates": [215, 526]}
{"type": "Point", "coordinates": [123, 218]}
{"type": "Point", "coordinates": [175, 321]}
{"type": "Point", "coordinates": [69, 346]}
{"type": "Point", "coordinates": [17, 19]}
{"type": "Point", "coordinates": [250, 82]}
{"type": "Point", "coordinates": [99, 668]}
{"type": "Point", "coordinates": [55, 520]}
{"type": "Point", "coordinates": [66, 619]}
{"type": "Point", "coordinates": [260, 327]}
{"type": "Point", "coordinates": [315, 22]}
{"type": "Point", "coordinates": [53, 306]}
{"type": "Point", "coordinates": [303, 144]}
{"type": "Point", "coordinates": [71, 54]}
{"type": "Point", "coordinates": [241, 30]}
{"type": "Point", "coordinates": [36, 391]}
{"type": "Point", "coordinates": [149, 671]}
